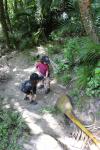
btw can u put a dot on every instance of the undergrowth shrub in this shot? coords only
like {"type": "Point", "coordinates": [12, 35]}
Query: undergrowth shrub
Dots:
{"type": "Point", "coordinates": [64, 78]}
{"type": "Point", "coordinates": [84, 54]}
{"type": "Point", "coordinates": [61, 72]}
{"type": "Point", "coordinates": [25, 43]}
{"type": "Point", "coordinates": [93, 86]}
{"type": "Point", "coordinates": [72, 27]}
{"type": "Point", "coordinates": [80, 60]}
{"type": "Point", "coordinates": [50, 109]}
{"type": "Point", "coordinates": [54, 48]}
{"type": "Point", "coordinates": [12, 127]}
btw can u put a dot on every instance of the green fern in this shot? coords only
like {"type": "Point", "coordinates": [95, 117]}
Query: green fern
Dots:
{"type": "Point", "coordinates": [84, 54]}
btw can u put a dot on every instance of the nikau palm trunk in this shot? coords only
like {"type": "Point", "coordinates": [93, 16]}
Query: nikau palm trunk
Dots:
{"type": "Point", "coordinates": [84, 6]}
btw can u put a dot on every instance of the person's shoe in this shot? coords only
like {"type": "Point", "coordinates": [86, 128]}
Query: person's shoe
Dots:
{"type": "Point", "coordinates": [33, 102]}
{"type": "Point", "coordinates": [41, 86]}
{"type": "Point", "coordinates": [47, 91]}
{"type": "Point", "coordinates": [26, 98]}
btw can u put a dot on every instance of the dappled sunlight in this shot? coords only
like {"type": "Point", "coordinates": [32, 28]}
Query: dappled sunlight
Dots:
{"type": "Point", "coordinates": [32, 119]}
{"type": "Point", "coordinates": [19, 74]}
{"type": "Point", "coordinates": [94, 147]}
{"type": "Point", "coordinates": [29, 70]}
{"type": "Point", "coordinates": [71, 143]}
{"type": "Point", "coordinates": [54, 81]}
{"type": "Point", "coordinates": [20, 77]}
{"type": "Point", "coordinates": [41, 50]}
{"type": "Point", "coordinates": [53, 123]}
{"type": "Point", "coordinates": [15, 69]}
{"type": "Point", "coordinates": [1, 34]}
{"type": "Point", "coordinates": [47, 142]}
{"type": "Point", "coordinates": [37, 123]}
{"type": "Point", "coordinates": [29, 118]}
{"type": "Point", "coordinates": [49, 74]}
{"type": "Point", "coordinates": [40, 122]}
{"type": "Point", "coordinates": [75, 144]}
{"type": "Point", "coordinates": [0, 27]}
{"type": "Point", "coordinates": [17, 84]}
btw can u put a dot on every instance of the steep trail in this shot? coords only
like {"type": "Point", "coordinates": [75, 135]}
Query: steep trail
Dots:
{"type": "Point", "coordinates": [44, 126]}
{"type": "Point", "coordinates": [40, 123]}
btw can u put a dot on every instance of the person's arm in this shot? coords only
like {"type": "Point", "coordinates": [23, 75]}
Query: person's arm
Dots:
{"type": "Point", "coordinates": [34, 93]}
{"type": "Point", "coordinates": [34, 97]}
{"type": "Point", "coordinates": [47, 73]}
{"type": "Point", "coordinates": [34, 90]}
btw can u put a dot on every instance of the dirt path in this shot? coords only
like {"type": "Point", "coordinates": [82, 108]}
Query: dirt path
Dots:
{"type": "Point", "coordinates": [49, 131]}
{"type": "Point", "coordinates": [42, 124]}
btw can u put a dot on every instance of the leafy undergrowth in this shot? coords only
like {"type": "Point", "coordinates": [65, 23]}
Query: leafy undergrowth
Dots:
{"type": "Point", "coordinates": [12, 128]}
{"type": "Point", "coordinates": [77, 66]}
{"type": "Point", "coordinates": [50, 109]}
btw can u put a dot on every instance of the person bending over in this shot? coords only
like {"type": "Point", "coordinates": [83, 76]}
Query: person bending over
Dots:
{"type": "Point", "coordinates": [29, 88]}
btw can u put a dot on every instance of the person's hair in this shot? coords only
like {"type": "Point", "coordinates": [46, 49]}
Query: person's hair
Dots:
{"type": "Point", "coordinates": [34, 76]}
{"type": "Point", "coordinates": [40, 61]}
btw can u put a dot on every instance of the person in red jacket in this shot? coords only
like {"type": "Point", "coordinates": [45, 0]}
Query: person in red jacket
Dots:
{"type": "Point", "coordinates": [42, 69]}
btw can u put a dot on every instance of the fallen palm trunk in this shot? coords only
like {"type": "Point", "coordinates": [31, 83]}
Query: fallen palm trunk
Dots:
{"type": "Point", "coordinates": [65, 106]}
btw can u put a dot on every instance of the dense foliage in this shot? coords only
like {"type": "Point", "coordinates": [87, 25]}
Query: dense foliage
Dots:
{"type": "Point", "coordinates": [12, 127]}
{"type": "Point", "coordinates": [70, 31]}
{"type": "Point", "coordinates": [78, 61]}
{"type": "Point", "coordinates": [28, 22]}
{"type": "Point", "coordinates": [70, 28]}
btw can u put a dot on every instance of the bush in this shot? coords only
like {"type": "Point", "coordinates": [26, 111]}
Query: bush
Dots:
{"type": "Point", "coordinates": [73, 27]}
{"type": "Point", "coordinates": [61, 66]}
{"type": "Point", "coordinates": [11, 126]}
{"type": "Point", "coordinates": [71, 49]}
{"type": "Point", "coordinates": [80, 60]}
{"type": "Point", "coordinates": [50, 109]}
{"type": "Point", "coordinates": [54, 48]}
{"type": "Point", "coordinates": [64, 79]}
{"type": "Point", "coordinates": [84, 54]}
{"type": "Point", "coordinates": [93, 87]}
{"type": "Point", "coordinates": [25, 43]}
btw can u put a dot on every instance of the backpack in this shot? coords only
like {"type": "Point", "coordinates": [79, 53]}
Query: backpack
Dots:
{"type": "Point", "coordinates": [26, 86]}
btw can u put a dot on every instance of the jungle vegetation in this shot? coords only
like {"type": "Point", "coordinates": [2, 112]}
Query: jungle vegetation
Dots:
{"type": "Point", "coordinates": [69, 29]}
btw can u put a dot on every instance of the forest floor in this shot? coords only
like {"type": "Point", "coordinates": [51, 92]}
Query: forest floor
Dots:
{"type": "Point", "coordinates": [48, 128]}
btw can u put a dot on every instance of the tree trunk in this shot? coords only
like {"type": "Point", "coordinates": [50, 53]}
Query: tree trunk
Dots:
{"type": "Point", "coordinates": [4, 24]}
{"type": "Point", "coordinates": [84, 6]}
{"type": "Point", "coordinates": [15, 6]}
{"type": "Point", "coordinates": [7, 17]}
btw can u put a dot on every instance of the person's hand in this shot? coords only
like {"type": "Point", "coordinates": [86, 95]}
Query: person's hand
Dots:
{"type": "Point", "coordinates": [34, 97]}
{"type": "Point", "coordinates": [45, 77]}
